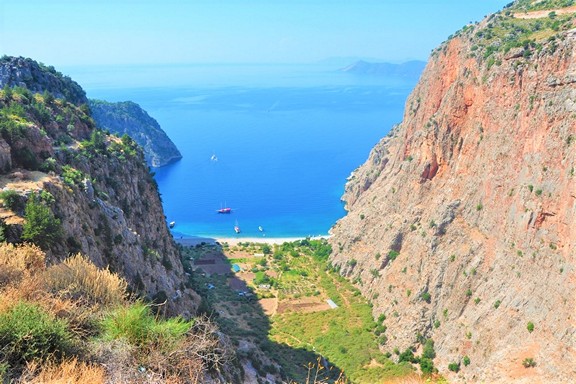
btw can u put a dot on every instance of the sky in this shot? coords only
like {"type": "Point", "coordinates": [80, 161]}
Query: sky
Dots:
{"type": "Point", "coordinates": [113, 32]}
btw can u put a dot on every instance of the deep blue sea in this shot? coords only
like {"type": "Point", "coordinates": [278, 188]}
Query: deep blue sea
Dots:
{"type": "Point", "coordinates": [274, 143]}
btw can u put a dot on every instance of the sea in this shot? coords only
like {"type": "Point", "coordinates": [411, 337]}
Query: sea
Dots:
{"type": "Point", "coordinates": [275, 143]}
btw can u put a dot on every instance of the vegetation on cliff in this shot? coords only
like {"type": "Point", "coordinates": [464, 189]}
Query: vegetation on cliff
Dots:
{"type": "Point", "coordinates": [128, 118]}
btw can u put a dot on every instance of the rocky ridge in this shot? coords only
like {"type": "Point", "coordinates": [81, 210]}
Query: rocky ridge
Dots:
{"type": "Point", "coordinates": [130, 119]}
{"type": "Point", "coordinates": [460, 225]}
{"type": "Point", "coordinates": [37, 77]}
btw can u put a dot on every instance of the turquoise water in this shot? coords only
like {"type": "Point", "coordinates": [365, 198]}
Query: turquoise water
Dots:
{"type": "Point", "coordinates": [275, 144]}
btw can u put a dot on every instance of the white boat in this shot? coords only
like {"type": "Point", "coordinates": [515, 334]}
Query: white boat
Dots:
{"type": "Point", "coordinates": [172, 224]}
{"type": "Point", "coordinates": [260, 228]}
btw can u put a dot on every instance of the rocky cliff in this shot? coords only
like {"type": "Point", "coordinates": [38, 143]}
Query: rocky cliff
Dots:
{"type": "Point", "coordinates": [130, 119]}
{"type": "Point", "coordinates": [101, 199]}
{"type": "Point", "coordinates": [461, 222]}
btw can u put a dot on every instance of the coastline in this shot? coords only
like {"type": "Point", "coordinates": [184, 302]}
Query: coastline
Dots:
{"type": "Point", "coordinates": [232, 241]}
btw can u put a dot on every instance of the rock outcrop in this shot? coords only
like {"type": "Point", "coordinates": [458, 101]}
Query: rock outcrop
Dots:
{"type": "Point", "coordinates": [37, 77]}
{"type": "Point", "coordinates": [130, 119]}
{"type": "Point", "coordinates": [97, 186]}
{"type": "Point", "coordinates": [461, 222]}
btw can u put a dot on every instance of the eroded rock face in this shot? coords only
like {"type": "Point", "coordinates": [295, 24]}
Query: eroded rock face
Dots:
{"type": "Point", "coordinates": [479, 183]}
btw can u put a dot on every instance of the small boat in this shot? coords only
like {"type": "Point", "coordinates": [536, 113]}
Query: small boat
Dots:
{"type": "Point", "coordinates": [224, 209]}
{"type": "Point", "coordinates": [260, 228]}
{"type": "Point", "coordinates": [172, 224]}
{"type": "Point", "coordinates": [213, 158]}
{"type": "Point", "coordinates": [236, 227]}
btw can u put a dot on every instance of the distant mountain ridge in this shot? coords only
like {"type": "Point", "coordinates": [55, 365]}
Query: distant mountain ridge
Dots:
{"type": "Point", "coordinates": [129, 118]}
{"type": "Point", "coordinates": [408, 69]}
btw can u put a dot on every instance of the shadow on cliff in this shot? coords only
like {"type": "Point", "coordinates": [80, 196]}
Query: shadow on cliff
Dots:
{"type": "Point", "coordinates": [235, 308]}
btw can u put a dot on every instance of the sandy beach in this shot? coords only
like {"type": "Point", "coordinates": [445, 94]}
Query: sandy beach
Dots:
{"type": "Point", "coordinates": [232, 241]}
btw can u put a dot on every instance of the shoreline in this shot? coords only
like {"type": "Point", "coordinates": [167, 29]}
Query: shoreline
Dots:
{"type": "Point", "coordinates": [232, 241]}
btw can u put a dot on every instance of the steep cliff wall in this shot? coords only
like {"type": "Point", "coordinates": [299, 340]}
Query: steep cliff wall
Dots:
{"type": "Point", "coordinates": [97, 186]}
{"type": "Point", "coordinates": [461, 222]}
{"type": "Point", "coordinates": [129, 118]}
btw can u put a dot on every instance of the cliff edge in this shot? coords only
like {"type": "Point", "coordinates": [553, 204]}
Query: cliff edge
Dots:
{"type": "Point", "coordinates": [461, 222]}
{"type": "Point", "coordinates": [129, 118]}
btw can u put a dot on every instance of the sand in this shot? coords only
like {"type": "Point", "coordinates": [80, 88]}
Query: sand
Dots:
{"type": "Point", "coordinates": [232, 241]}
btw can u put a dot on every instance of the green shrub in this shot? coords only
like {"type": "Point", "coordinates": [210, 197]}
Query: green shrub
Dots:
{"type": "Point", "coordinates": [426, 297]}
{"type": "Point", "coordinates": [529, 362]}
{"type": "Point", "coordinates": [12, 200]}
{"type": "Point", "coordinates": [530, 327]}
{"type": "Point", "coordinates": [426, 366]}
{"type": "Point", "coordinates": [408, 356]}
{"type": "Point", "coordinates": [41, 226]}
{"type": "Point", "coordinates": [72, 176]}
{"type": "Point", "coordinates": [454, 367]}
{"type": "Point", "coordinates": [137, 325]}
{"type": "Point", "coordinates": [466, 361]}
{"type": "Point", "coordinates": [428, 350]}
{"type": "Point", "coordinates": [28, 333]}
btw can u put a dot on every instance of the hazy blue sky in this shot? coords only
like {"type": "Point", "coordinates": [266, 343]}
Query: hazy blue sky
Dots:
{"type": "Point", "coordinates": [69, 32]}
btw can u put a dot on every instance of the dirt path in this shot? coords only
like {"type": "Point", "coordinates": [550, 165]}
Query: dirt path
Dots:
{"type": "Point", "coordinates": [541, 14]}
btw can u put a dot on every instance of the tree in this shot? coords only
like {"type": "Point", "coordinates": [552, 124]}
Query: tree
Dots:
{"type": "Point", "coordinates": [41, 226]}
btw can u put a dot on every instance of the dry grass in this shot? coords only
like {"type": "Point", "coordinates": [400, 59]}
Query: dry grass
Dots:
{"type": "Point", "coordinates": [78, 278]}
{"type": "Point", "coordinates": [18, 262]}
{"type": "Point", "coordinates": [66, 372]}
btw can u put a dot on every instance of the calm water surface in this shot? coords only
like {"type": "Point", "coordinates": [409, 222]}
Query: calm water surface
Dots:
{"type": "Point", "coordinates": [274, 143]}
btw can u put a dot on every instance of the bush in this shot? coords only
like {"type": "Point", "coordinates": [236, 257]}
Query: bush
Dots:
{"type": "Point", "coordinates": [529, 362]}
{"type": "Point", "coordinates": [17, 261]}
{"type": "Point", "coordinates": [426, 366]}
{"type": "Point", "coordinates": [28, 333]}
{"type": "Point", "coordinates": [137, 325]}
{"type": "Point", "coordinates": [78, 277]}
{"type": "Point", "coordinates": [454, 367]}
{"type": "Point", "coordinates": [12, 200]}
{"type": "Point", "coordinates": [466, 361]}
{"type": "Point", "coordinates": [530, 326]}
{"type": "Point", "coordinates": [426, 297]}
{"type": "Point", "coordinates": [41, 227]}
{"type": "Point", "coordinates": [428, 350]}
{"type": "Point", "coordinates": [392, 255]}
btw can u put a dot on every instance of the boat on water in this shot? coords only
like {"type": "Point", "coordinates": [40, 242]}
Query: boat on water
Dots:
{"type": "Point", "coordinates": [224, 209]}
{"type": "Point", "coordinates": [172, 224]}
{"type": "Point", "coordinates": [236, 227]}
{"type": "Point", "coordinates": [213, 158]}
{"type": "Point", "coordinates": [260, 228]}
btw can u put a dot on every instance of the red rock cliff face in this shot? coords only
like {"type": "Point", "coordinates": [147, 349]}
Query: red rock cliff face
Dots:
{"type": "Point", "coordinates": [475, 192]}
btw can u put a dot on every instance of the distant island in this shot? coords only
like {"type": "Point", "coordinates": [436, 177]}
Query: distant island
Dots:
{"type": "Point", "coordinates": [408, 69]}
{"type": "Point", "coordinates": [129, 118]}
